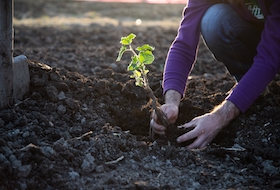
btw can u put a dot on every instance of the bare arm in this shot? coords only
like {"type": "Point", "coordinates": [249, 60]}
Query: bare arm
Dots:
{"type": "Point", "coordinates": [172, 97]}
{"type": "Point", "coordinates": [227, 110]}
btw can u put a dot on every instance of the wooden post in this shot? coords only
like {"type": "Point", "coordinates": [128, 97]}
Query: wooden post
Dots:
{"type": "Point", "coordinates": [6, 53]}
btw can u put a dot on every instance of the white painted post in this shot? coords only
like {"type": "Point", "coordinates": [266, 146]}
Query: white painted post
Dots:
{"type": "Point", "coordinates": [6, 53]}
{"type": "Point", "coordinates": [14, 73]}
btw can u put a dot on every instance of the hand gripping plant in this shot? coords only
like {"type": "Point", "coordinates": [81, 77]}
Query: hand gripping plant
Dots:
{"type": "Point", "coordinates": [139, 72]}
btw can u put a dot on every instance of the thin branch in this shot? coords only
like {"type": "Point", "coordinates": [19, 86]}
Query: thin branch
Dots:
{"type": "Point", "coordinates": [115, 161]}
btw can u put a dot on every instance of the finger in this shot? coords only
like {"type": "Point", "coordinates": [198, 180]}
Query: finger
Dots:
{"type": "Point", "coordinates": [159, 132]}
{"type": "Point", "coordinates": [156, 126]}
{"type": "Point", "coordinates": [170, 114]}
{"type": "Point", "coordinates": [158, 129]}
{"type": "Point", "coordinates": [205, 144]}
{"type": "Point", "coordinates": [187, 136]}
{"type": "Point", "coordinates": [198, 143]}
{"type": "Point", "coordinates": [187, 125]}
{"type": "Point", "coordinates": [201, 142]}
{"type": "Point", "coordinates": [158, 115]}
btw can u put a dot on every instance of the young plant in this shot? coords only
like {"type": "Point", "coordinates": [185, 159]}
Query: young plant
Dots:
{"type": "Point", "coordinates": [139, 72]}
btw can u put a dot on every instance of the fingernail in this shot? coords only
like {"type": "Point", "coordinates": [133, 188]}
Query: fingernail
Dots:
{"type": "Point", "coordinates": [178, 140]}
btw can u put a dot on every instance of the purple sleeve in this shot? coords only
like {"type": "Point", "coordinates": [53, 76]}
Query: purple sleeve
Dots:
{"type": "Point", "coordinates": [266, 63]}
{"type": "Point", "coordinates": [183, 50]}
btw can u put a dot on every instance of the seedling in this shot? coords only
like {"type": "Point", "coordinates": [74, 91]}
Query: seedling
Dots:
{"type": "Point", "coordinates": [139, 72]}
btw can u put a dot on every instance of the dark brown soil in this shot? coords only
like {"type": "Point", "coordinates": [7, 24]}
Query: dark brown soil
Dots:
{"type": "Point", "coordinates": [83, 125]}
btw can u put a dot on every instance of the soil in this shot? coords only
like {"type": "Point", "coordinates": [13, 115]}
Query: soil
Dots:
{"type": "Point", "coordinates": [84, 124]}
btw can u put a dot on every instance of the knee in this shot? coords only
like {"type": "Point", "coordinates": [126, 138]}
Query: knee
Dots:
{"type": "Point", "coordinates": [215, 22]}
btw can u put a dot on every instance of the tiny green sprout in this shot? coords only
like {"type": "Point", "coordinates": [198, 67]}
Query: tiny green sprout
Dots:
{"type": "Point", "coordinates": [138, 61]}
{"type": "Point", "coordinates": [137, 66]}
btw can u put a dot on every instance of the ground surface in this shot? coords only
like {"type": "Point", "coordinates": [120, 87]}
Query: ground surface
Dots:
{"type": "Point", "coordinates": [83, 127]}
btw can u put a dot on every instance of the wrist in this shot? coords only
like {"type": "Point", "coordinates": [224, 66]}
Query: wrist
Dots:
{"type": "Point", "coordinates": [172, 97]}
{"type": "Point", "coordinates": [227, 111]}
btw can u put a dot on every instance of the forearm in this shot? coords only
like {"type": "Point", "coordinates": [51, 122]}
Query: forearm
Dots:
{"type": "Point", "coordinates": [183, 51]}
{"type": "Point", "coordinates": [227, 111]}
{"type": "Point", "coordinates": [173, 97]}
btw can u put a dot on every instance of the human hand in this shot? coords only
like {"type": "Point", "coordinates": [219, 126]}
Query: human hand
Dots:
{"type": "Point", "coordinates": [171, 111]}
{"type": "Point", "coordinates": [207, 126]}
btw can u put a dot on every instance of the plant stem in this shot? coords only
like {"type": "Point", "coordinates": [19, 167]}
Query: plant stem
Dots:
{"type": "Point", "coordinates": [132, 50]}
{"type": "Point", "coordinates": [155, 106]}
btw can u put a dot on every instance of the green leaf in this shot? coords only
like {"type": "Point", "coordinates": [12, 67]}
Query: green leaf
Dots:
{"type": "Point", "coordinates": [145, 47]}
{"type": "Point", "coordinates": [133, 64]}
{"type": "Point", "coordinates": [122, 50]}
{"type": "Point", "coordinates": [128, 39]}
{"type": "Point", "coordinates": [138, 61]}
{"type": "Point", "coordinates": [134, 59]}
{"type": "Point", "coordinates": [146, 57]}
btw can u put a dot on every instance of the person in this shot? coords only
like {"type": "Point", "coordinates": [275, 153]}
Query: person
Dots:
{"type": "Point", "coordinates": [245, 36]}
